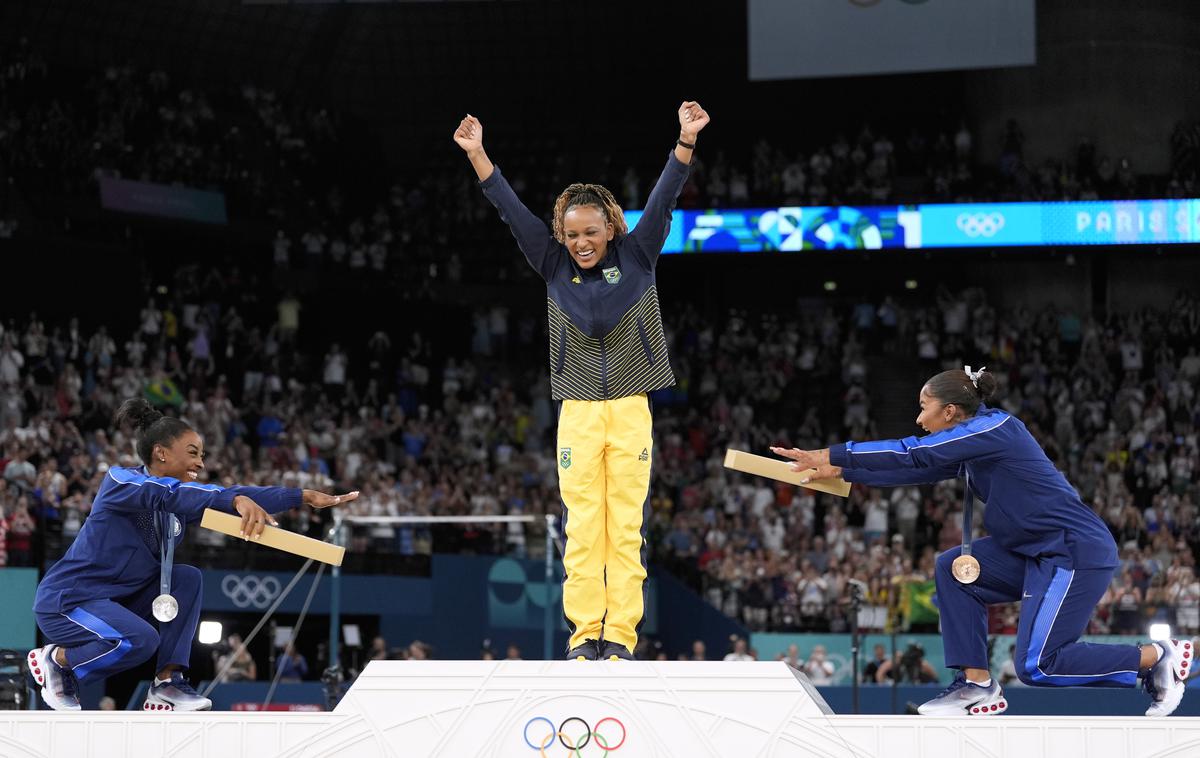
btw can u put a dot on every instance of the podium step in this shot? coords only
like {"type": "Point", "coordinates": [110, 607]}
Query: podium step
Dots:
{"type": "Point", "coordinates": [620, 709]}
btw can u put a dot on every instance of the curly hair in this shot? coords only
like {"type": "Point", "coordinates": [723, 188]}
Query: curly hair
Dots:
{"type": "Point", "coordinates": [594, 195]}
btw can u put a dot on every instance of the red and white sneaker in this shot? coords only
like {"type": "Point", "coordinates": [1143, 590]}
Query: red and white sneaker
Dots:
{"type": "Point", "coordinates": [59, 688]}
{"type": "Point", "coordinates": [175, 694]}
{"type": "Point", "coordinates": [965, 698]}
{"type": "Point", "coordinates": [1167, 679]}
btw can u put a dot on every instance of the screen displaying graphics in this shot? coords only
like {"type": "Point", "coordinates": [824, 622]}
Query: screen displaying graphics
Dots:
{"type": "Point", "coordinates": [791, 229]}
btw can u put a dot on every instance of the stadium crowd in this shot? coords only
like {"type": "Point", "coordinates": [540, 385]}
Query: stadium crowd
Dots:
{"type": "Point", "coordinates": [1114, 404]}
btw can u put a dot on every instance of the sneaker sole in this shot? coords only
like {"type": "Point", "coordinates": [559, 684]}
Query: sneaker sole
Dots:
{"type": "Point", "coordinates": [992, 709]}
{"type": "Point", "coordinates": [35, 668]}
{"type": "Point", "coordinates": [162, 705]}
{"type": "Point", "coordinates": [1185, 659]}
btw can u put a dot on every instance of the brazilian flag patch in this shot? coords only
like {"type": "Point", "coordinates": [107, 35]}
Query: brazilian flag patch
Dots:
{"type": "Point", "coordinates": [612, 275]}
{"type": "Point", "coordinates": [564, 457]}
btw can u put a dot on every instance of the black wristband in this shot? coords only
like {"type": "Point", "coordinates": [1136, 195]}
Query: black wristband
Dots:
{"type": "Point", "coordinates": [681, 143]}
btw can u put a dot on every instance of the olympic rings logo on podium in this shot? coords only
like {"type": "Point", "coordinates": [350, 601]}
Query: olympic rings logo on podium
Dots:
{"type": "Point", "coordinates": [980, 224]}
{"type": "Point", "coordinates": [250, 590]}
{"type": "Point", "coordinates": [575, 734]}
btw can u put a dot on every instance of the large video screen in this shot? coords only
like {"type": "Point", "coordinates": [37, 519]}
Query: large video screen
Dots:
{"type": "Point", "coordinates": [798, 39]}
{"type": "Point", "coordinates": [756, 230]}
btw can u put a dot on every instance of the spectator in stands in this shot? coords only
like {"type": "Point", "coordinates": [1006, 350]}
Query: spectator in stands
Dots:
{"type": "Point", "coordinates": [870, 674]}
{"type": "Point", "coordinates": [818, 668]}
{"type": "Point", "coordinates": [291, 665]}
{"type": "Point", "coordinates": [20, 529]}
{"type": "Point", "coordinates": [739, 652]}
{"type": "Point", "coordinates": [241, 667]}
{"type": "Point", "coordinates": [379, 650]}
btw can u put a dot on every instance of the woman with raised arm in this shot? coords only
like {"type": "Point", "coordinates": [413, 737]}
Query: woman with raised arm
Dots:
{"type": "Point", "coordinates": [607, 352]}
{"type": "Point", "coordinates": [1045, 549]}
{"type": "Point", "coordinates": [95, 604]}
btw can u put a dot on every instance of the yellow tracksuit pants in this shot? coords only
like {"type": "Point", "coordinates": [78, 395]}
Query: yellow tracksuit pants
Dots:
{"type": "Point", "coordinates": [604, 455]}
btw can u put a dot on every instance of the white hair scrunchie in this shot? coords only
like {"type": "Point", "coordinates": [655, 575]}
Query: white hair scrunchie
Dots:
{"type": "Point", "coordinates": [974, 375]}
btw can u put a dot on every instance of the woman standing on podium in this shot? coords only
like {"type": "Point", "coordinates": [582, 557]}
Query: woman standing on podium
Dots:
{"type": "Point", "coordinates": [607, 352]}
{"type": "Point", "coordinates": [94, 605]}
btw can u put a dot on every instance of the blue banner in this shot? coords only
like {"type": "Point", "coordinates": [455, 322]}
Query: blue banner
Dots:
{"type": "Point", "coordinates": [957, 225]}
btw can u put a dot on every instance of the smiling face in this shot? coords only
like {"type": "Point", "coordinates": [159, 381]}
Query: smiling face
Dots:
{"type": "Point", "coordinates": [936, 415]}
{"type": "Point", "coordinates": [586, 233]}
{"type": "Point", "coordinates": [183, 459]}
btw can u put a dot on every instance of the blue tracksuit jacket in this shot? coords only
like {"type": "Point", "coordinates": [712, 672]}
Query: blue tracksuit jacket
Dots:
{"type": "Point", "coordinates": [117, 551]}
{"type": "Point", "coordinates": [1031, 508]}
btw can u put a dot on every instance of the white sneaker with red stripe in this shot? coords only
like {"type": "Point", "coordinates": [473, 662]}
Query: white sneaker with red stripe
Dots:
{"type": "Point", "coordinates": [1167, 679]}
{"type": "Point", "coordinates": [60, 691]}
{"type": "Point", "coordinates": [966, 698]}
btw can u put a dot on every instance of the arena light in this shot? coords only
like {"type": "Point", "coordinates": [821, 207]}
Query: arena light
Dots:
{"type": "Point", "coordinates": [830, 286]}
{"type": "Point", "coordinates": [210, 632]}
{"type": "Point", "coordinates": [910, 284]}
{"type": "Point", "coordinates": [1160, 632]}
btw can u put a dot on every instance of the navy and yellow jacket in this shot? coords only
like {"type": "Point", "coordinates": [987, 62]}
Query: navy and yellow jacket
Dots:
{"type": "Point", "coordinates": [1031, 508]}
{"type": "Point", "coordinates": [116, 553]}
{"type": "Point", "coordinates": [606, 332]}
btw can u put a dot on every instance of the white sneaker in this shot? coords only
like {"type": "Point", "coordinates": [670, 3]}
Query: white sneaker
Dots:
{"type": "Point", "coordinates": [1167, 679]}
{"type": "Point", "coordinates": [60, 690]}
{"type": "Point", "coordinates": [175, 694]}
{"type": "Point", "coordinates": [965, 698]}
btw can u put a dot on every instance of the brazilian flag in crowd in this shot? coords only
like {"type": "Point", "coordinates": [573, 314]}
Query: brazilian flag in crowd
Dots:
{"type": "Point", "coordinates": [163, 392]}
{"type": "Point", "coordinates": [916, 603]}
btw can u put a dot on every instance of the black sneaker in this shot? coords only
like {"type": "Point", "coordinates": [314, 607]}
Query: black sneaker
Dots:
{"type": "Point", "coordinates": [588, 650]}
{"type": "Point", "coordinates": [615, 651]}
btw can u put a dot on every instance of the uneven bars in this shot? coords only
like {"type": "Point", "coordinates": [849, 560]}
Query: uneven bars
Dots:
{"type": "Point", "coordinates": [386, 520]}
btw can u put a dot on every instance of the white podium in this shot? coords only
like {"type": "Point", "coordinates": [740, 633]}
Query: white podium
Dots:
{"type": "Point", "coordinates": [620, 709]}
{"type": "Point", "coordinates": [514, 708]}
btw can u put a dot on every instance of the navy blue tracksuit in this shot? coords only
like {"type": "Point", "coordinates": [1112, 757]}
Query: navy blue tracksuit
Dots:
{"type": "Point", "coordinates": [1047, 549]}
{"type": "Point", "coordinates": [95, 601]}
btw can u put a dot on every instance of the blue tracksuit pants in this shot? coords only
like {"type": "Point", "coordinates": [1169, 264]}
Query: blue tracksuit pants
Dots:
{"type": "Point", "coordinates": [1056, 604]}
{"type": "Point", "coordinates": [103, 637]}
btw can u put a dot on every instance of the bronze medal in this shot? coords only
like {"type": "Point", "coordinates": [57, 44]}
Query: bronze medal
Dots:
{"type": "Point", "coordinates": [965, 568]}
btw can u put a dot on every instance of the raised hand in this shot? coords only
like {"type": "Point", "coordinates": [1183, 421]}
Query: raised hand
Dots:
{"type": "Point", "coordinates": [469, 134]}
{"type": "Point", "coordinates": [692, 118]}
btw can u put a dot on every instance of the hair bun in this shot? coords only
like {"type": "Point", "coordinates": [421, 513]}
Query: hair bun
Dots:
{"type": "Point", "coordinates": [986, 386]}
{"type": "Point", "coordinates": [137, 413]}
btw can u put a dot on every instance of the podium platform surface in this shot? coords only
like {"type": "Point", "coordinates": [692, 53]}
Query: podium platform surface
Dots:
{"type": "Point", "coordinates": [622, 709]}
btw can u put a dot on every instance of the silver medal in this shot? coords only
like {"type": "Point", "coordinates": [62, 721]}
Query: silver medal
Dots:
{"type": "Point", "coordinates": [165, 608]}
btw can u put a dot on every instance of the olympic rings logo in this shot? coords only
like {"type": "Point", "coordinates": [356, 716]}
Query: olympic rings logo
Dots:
{"type": "Point", "coordinates": [250, 590]}
{"type": "Point", "coordinates": [576, 737]}
{"type": "Point", "coordinates": [980, 224]}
